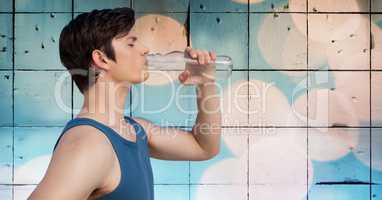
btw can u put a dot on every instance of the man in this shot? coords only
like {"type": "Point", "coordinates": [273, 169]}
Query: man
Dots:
{"type": "Point", "coordinates": [104, 154]}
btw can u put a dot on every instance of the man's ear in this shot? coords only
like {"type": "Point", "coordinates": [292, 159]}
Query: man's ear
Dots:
{"type": "Point", "coordinates": [100, 59]}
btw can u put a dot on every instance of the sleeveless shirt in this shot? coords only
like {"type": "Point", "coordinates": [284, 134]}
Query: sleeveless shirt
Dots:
{"type": "Point", "coordinates": [136, 182]}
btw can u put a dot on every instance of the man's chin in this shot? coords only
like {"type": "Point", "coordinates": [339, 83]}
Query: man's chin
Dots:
{"type": "Point", "coordinates": [146, 75]}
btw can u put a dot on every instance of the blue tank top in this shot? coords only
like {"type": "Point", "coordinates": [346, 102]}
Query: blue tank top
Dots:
{"type": "Point", "coordinates": [136, 182]}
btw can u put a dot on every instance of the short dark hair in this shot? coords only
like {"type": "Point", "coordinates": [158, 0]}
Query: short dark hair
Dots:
{"type": "Point", "coordinates": [90, 31]}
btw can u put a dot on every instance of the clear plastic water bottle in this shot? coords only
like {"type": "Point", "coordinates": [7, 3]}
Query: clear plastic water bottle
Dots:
{"type": "Point", "coordinates": [177, 61]}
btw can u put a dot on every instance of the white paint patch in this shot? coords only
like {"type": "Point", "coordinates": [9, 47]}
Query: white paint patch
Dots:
{"type": "Point", "coordinates": [236, 140]}
{"type": "Point", "coordinates": [235, 104]}
{"type": "Point", "coordinates": [351, 51]}
{"type": "Point", "coordinates": [32, 171]}
{"type": "Point", "coordinates": [342, 40]}
{"type": "Point", "coordinates": [281, 44]}
{"type": "Point", "coordinates": [220, 192]}
{"type": "Point", "coordinates": [227, 171]}
{"type": "Point", "coordinates": [279, 162]}
{"type": "Point", "coordinates": [317, 54]}
{"type": "Point", "coordinates": [278, 191]}
{"type": "Point", "coordinates": [327, 144]}
{"type": "Point", "coordinates": [5, 175]}
{"type": "Point", "coordinates": [338, 6]}
{"type": "Point", "coordinates": [376, 98]}
{"type": "Point", "coordinates": [354, 87]}
{"type": "Point", "coordinates": [376, 53]}
{"type": "Point", "coordinates": [327, 108]}
{"type": "Point", "coordinates": [297, 5]}
{"type": "Point", "coordinates": [23, 192]}
{"type": "Point", "coordinates": [325, 28]}
{"type": "Point", "coordinates": [268, 106]}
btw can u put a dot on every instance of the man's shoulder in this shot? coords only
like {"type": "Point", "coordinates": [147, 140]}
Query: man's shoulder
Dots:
{"type": "Point", "coordinates": [85, 138]}
{"type": "Point", "coordinates": [75, 161]}
{"type": "Point", "coordinates": [143, 122]}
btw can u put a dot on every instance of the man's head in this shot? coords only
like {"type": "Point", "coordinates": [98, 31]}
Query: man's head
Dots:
{"type": "Point", "coordinates": [103, 40]}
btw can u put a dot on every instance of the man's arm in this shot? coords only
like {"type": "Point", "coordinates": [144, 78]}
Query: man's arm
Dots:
{"type": "Point", "coordinates": [203, 141]}
{"type": "Point", "coordinates": [79, 165]}
{"type": "Point", "coordinates": [207, 129]}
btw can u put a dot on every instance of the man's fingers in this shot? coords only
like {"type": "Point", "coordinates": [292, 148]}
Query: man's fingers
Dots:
{"type": "Point", "coordinates": [191, 52]}
{"type": "Point", "coordinates": [212, 55]}
{"type": "Point", "coordinates": [200, 58]}
{"type": "Point", "coordinates": [203, 57]}
{"type": "Point", "coordinates": [184, 76]}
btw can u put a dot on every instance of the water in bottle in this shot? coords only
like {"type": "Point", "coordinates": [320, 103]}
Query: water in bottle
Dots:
{"type": "Point", "coordinates": [178, 61]}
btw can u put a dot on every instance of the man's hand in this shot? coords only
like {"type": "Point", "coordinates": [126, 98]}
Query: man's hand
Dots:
{"type": "Point", "coordinates": [202, 72]}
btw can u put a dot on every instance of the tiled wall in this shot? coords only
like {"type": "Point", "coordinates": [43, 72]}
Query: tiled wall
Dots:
{"type": "Point", "coordinates": [302, 111]}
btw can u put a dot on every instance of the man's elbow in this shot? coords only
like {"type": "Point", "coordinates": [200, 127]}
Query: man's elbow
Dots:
{"type": "Point", "coordinates": [212, 154]}
{"type": "Point", "coordinates": [215, 153]}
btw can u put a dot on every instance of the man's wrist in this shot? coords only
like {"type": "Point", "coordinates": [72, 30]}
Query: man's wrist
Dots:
{"type": "Point", "coordinates": [206, 84]}
{"type": "Point", "coordinates": [206, 88]}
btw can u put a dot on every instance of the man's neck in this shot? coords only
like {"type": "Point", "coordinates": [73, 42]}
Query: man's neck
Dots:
{"type": "Point", "coordinates": [105, 102]}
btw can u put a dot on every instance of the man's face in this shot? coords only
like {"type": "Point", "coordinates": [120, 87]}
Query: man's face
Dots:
{"type": "Point", "coordinates": [130, 55]}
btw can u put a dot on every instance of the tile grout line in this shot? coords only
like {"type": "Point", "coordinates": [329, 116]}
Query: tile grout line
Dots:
{"type": "Point", "coordinates": [227, 127]}
{"type": "Point", "coordinates": [370, 116]}
{"type": "Point", "coordinates": [307, 100]}
{"type": "Point", "coordinates": [209, 12]}
{"type": "Point", "coordinates": [209, 184]}
{"type": "Point", "coordinates": [13, 95]}
{"type": "Point", "coordinates": [243, 69]}
{"type": "Point", "coordinates": [248, 52]}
